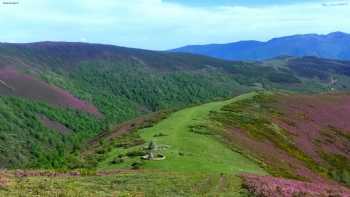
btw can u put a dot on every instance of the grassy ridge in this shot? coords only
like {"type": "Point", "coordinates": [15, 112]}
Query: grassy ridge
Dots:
{"type": "Point", "coordinates": [185, 150]}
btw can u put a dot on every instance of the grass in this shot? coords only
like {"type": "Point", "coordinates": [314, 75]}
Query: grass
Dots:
{"type": "Point", "coordinates": [187, 151]}
{"type": "Point", "coordinates": [138, 183]}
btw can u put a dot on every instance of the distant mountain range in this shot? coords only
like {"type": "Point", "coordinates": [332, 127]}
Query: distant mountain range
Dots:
{"type": "Point", "coordinates": [335, 45]}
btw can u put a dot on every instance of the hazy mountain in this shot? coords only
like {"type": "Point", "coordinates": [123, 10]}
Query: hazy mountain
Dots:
{"type": "Point", "coordinates": [333, 46]}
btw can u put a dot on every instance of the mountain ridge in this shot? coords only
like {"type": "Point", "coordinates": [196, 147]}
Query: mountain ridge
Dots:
{"type": "Point", "coordinates": [334, 45]}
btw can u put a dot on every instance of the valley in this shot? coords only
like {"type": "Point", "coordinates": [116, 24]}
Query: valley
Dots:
{"type": "Point", "coordinates": [121, 120]}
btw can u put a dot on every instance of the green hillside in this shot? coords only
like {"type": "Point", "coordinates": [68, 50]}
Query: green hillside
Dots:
{"type": "Point", "coordinates": [108, 85]}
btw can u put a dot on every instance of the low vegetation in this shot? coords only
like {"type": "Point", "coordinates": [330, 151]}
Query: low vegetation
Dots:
{"type": "Point", "coordinates": [300, 137]}
{"type": "Point", "coordinates": [132, 183]}
{"type": "Point", "coordinates": [267, 186]}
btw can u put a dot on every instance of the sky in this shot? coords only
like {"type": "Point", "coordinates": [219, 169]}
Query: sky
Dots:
{"type": "Point", "coordinates": [167, 24]}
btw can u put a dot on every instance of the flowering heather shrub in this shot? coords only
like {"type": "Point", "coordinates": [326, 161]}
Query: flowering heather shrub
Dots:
{"type": "Point", "coordinates": [324, 117]}
{"type": "Point", "coordinates": [321, 128]}
{"type": "Point", "coordinates": [304, 137]}
{"type": "Point", "coordinates": [268, 186]}
{"type": "Point", "coordinates": [250, 127]}
{"type": "Point", "coordinates": [71, 101]}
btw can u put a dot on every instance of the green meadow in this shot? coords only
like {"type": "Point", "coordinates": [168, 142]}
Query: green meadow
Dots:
{"type": "Point", "coordinates": [185, 149]}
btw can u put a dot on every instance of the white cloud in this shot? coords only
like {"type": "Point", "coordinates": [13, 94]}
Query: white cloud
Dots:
{"type": "Point", "coordinates": [157, 25]}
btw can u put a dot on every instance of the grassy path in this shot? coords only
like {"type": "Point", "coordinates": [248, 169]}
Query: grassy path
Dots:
{"type": "Point", "coordinates": [188, 151]}
{"type": "Point", "coordinates": [193, 152]}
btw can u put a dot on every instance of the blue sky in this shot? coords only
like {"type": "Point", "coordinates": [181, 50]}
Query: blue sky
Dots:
{"type": "Point", "coordinates": [165, 24]}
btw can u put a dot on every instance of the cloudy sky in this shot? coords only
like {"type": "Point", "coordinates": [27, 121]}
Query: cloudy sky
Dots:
{"type": "Point", "coordinates": [165, 24]}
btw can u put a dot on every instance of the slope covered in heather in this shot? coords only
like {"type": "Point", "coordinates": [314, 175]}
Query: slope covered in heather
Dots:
{"type": "Point", "coordinates": [300, 137]}
{"type": "Point", "coordinates": [14, 83]}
